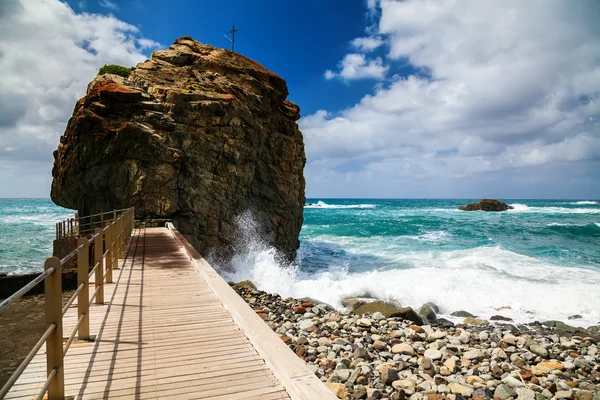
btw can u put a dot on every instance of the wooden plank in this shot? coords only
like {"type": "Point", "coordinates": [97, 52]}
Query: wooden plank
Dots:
{"type": "Point", "coordinates": [162, 333]}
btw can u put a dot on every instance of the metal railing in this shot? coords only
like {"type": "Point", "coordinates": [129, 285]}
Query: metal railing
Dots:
{"type": "Point", "coordinates": [109, 243]}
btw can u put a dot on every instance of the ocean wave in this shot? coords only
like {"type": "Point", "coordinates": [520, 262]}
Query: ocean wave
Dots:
{"type": "Point", "coordinates": [552, 210]}
{"type": "Point", "coordinates": [585, 202]}
{"type": "Point", "coordinates": [433, 237]}
{"type": "Point", "coordinates": [478, 280]}
{"type": "Point", "coordinates": [322, 204]}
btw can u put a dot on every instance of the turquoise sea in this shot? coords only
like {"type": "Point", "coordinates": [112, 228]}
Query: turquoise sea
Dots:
{"type": "Point", "coordinates": [541, 259]}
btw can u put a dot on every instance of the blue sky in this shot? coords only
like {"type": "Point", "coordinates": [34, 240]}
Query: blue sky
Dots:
{"type": "Point", "coordinates": [414, 98]}
{"type": "Point", "coordinates": [289, 38]}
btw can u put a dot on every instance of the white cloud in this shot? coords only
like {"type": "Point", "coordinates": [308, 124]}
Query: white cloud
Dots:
{"type": "Point", "coordinates": [109, 4]}
{"type": "Point", "coordinates": [357, 66]}
{"type": "Point", "coordinates": [49, 54]}
{"type": "Point", "coordinates": [497, 87]}
{"type": "Point", "coordinates": [367, 44]}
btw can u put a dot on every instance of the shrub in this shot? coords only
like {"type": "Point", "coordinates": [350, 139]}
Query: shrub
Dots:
{"type": "Point", "coordinates": [115, 69]}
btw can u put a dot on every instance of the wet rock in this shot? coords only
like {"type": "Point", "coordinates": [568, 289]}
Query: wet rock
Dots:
{"type": "Point", "coordinates": [500, 318]}
{"type": "Point", "coordinates": [486, 205]}
{"type": "Point", "coordinates": [463, 314]}
{"type": "Point", "coordinates": [475, 321]}
{"type": "Point", "coordinates": [428, 313]}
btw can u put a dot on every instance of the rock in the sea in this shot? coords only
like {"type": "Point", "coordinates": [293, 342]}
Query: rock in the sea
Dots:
{"type": "Point", "coordinates": [428, 313]}
{"type": "Point", "coordinates": [486, 205]}
{"type": "Point", "coordinates": [197, 135]}
{"type": "Point", "coordinates": [463, 314]}
{"type": "Point", "coordinates": [475, 321]}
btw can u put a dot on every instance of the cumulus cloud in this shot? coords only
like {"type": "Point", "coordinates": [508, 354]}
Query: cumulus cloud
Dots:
{"type": "Point", "coordinates": [503, 88]}
{"type": "Point", "coordinates": [48, 55]}
{"type": "Point", "coordinates": [357, 66]}
{"type": "Point", "coordinates": [367, 44]}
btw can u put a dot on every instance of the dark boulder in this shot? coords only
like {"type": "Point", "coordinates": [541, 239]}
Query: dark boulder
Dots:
{"type": "Point", "coordinates": [486, 205]}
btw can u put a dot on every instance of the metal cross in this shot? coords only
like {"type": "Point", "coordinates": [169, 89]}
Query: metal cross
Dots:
{"type": "Point", "coordinates": [232, 38]}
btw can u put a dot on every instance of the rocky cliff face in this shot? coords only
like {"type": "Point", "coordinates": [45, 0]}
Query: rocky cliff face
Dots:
{"type": "Point", "coordinates": [196, 134]}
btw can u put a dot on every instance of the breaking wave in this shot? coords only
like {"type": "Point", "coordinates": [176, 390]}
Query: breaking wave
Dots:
{"type": "Point", "coordinates": [322, 204]}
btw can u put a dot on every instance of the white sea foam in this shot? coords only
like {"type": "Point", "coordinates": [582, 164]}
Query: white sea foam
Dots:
{"type": "Point", "coordinates": [584, 202]}
{"type": "Point", "coordinates": [552, 210]}
{"type": "Point", "coordinates": [478, 280]}
{"type": "Point", "coordinates": [434, 237]}
{"type": "Point", "coordinates": [322, 204]}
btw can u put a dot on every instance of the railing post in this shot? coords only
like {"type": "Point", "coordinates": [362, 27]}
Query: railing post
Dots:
{"type": "Point", "coordinates": [119, 237]}
{"type": "Point", "coordinates": [99, 277]}
{"type": "Point", "coordinates": [83, 300]}
{"type": "Point", "coordinates": [123, 234]}
{"type": "Point", "coordinates": [109, 255]}
{"type": "Point", "coordinates": [54, 343]}
{"type": "Point", "coordinates": [114, 237]}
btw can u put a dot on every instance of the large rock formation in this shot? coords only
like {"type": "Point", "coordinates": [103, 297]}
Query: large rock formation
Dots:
{"type": "Point", "coordinates": [196, 134]}
{"type": "Point", "coordinates": [486, 205]}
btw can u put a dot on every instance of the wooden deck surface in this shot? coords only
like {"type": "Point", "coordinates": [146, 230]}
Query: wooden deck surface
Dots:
{"type": "Point", "coordinates": [163, 333]}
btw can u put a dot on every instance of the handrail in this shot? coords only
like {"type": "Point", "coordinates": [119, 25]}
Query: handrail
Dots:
{"type": "Point", "coordinates": [72, 299]}
{"type": "Point", "coordinates": [19, 293]}
{"type": "Point", "coordinates": [74, 226]}
{"type": "Point", "coordinates": [71, 254]}
{"type": "Point", "coordinates": [13, 378]}
{"type": "Point", "coordinates": [109, 241]}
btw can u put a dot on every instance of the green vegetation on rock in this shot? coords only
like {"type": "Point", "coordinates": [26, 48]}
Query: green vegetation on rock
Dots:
{"type": "Point", "coordinates": [115, 69]}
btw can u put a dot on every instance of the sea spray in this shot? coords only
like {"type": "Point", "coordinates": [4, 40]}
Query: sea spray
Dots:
{"type": "Point", "coordinates": [253, 259]}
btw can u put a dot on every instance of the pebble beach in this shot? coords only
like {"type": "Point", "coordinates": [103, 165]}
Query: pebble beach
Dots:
{"type": "Point", "coordinates": [371, 356]}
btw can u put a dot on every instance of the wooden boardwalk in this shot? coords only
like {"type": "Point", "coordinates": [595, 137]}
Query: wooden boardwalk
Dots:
{"type": "Point", "coordinates": [163, 333]}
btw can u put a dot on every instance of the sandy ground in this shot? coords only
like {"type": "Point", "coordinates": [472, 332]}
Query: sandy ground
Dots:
{"type": "Point", "coordinates": [21, 326]}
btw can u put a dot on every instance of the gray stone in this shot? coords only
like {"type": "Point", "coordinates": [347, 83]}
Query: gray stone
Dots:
{"type": "Point", "coordinates": [342, 374]}
{"type": "Point", "coordinates": [360, 352]}
{"type": "Point", "coordinates": [360, 392]}
{"type": "Point", "coordinates": [306, 325]}
{"type": "Point", "coordinates": [404, 384]}
{"type": "Point", "coordinates": [433, 354]}
{"type": "Point", "coordinates": [525, 394]}
{"type": "Point", "coordinates": [538, 349]}
{"type": "Point", "coordinates": [563, 394]}
{"type": "Point", "coordinates": [475, 354]}
{"type": "Point", "coordinates": [512, 382]}
{"type": "Point", "coordinates": [389, 375]}
{"type": "Point", "coordinates": [462, 314]}
{"type": "Point", "coordinates": [428, 313]}
{"type": "Point", "coordinates": [503, 392]}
